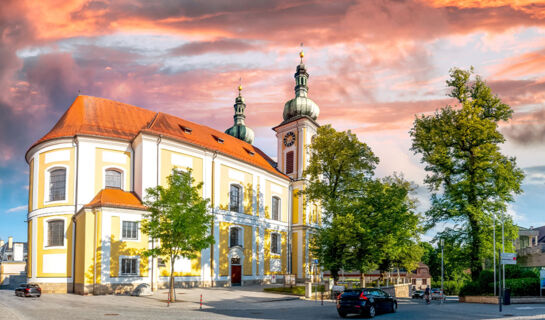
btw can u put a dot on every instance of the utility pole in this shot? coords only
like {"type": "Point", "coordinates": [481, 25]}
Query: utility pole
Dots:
{"type": "Point", "coordinates": [442, 272]}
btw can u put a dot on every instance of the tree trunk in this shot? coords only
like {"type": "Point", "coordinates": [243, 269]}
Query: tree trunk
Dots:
{"type": "Point", "coordinates": [475, 261]}
{"type": "Point", "coordinates": [171, 286]}
{"type": "Point", "coordinates": [362, 279]}
{"type": "Point", "coordinates": [335, 275]}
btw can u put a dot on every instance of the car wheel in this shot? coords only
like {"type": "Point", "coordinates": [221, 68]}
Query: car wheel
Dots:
{"type": "Point", "coordinates": [342, 314]}
{"type": "Point", "coordinates": [394, 307]}
{"type": "Point", "coordinates": [39, 295]}
{"type": "Point", "coordinates": [372, 312]}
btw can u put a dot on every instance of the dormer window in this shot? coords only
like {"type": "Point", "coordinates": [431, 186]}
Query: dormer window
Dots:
{"type": "Point", "coordinates": [186, 129]}
{"type": "Point", "coordinates": [250, 152]}
{"type": "Point", "coordinates": [218, 139]}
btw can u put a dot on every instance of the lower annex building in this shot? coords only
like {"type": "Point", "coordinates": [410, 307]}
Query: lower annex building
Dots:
{"type": "Point", "coordinates": [89, 174]}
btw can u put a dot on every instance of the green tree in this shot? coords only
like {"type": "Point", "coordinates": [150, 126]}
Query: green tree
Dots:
{"type": "Point", "coordinates": [366, 220]}
{"type": "Point", "coordinates": [178, 217]}
{"type": "Point", "coordinates": [395, 226]}
{"type": "Point", "coordinates": [339, 163]}
{"type": "Point", "coordinates": [470, 179]}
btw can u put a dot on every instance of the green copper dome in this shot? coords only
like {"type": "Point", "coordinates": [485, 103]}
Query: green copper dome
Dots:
{"type": "Point", "coordinates": [301, 105]}
{"type": "Point", "coordinates": [239, 130]}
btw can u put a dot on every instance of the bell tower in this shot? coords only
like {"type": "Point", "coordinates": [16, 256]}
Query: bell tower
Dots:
{"type": "Point", "coordinates": [293, 136]}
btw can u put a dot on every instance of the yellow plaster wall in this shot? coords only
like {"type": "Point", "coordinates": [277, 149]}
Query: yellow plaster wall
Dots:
{"type": "Point", "coordinates": [30, 185]}
{"type": "Point", "coordinates": [41, 177]}
{"type": "Point", "coordinates": [164, 271]}
{"type": "Point", "coordinates": [40, 250]}
{"type": "Point", "coordinates": [101, 166]}
{"type": "Point", "coordinates": [126, 248]}
{"type": "Point", "coordinates": [268, 256]}
{"type": "Point", "coordinates": [283, 200]}
{"type": "Point", "coordinates": [247, 186]}
{"type": "Point", "coordinates": [224, 249]}
{"type": "Point", "coordinates": [80, 268]}
{"type": "Point", "coordinates": [295, 207]}
{"type": "Point", "coordinates": [167, 166]}
{"type": "Point", "coordinates": [29, 249]}
{"type": "Point", "coordinates": [247, 267]}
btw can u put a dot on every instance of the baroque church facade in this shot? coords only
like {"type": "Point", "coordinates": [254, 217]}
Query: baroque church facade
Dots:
{"type": "Point", "coordinates": [89, 174]}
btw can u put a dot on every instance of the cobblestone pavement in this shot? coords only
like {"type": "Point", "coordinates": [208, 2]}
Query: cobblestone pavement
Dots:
{"type": "Point", "coordinates": [236, 303]}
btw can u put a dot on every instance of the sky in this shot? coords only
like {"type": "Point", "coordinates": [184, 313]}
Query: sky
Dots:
{"type": "Point", "coordinates": [373, 64]}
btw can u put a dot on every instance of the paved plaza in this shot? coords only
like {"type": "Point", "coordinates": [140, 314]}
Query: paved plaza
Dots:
{"type": "Point", "coordinates": [228, 303]}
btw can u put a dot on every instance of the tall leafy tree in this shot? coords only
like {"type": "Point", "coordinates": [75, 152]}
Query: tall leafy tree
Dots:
{"type": "Point", "coordinates": [366, 220]}
{"type": "Point", "coordinates": [179, 218]}
{"type": "Point", "coordinates": [470, 179]}
{"type": "Point", "coordinates": [338, 166]}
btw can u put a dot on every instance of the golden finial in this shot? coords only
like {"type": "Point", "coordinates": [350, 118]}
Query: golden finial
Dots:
{"type": "Point", "coordinates": [239, 86]}
{"type": "Point", "coordinates": [301, 54]}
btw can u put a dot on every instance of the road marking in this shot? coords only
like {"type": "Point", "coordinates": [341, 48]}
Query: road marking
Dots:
{"type": "Point", "coordinates": [529, 308]}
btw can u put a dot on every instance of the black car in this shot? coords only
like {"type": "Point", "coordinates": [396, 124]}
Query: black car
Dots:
{"type": "Point", "coordinates": [418, 294]}
{"type": "Point", "coordinates": [367, 302]}
{"type": "Point", "coordinates": [28, 290]}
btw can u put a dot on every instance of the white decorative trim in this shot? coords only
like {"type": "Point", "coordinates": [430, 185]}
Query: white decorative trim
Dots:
{"type": "Point", "coordinates": [47, 171]}
{"type": "Point", "coordinates": [46, 234]}
{"type": "Point", "coordinates": [57, 156]}
{"type": "Point", "coordinates": [50, 280]}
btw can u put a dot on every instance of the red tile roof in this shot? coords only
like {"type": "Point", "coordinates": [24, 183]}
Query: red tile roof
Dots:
{"type": "Point", "coordinates": [116, 198]}
{"type": "Point", "coordinates": [92, 116]}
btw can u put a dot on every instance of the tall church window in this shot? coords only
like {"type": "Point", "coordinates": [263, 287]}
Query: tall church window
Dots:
{"type": "Point", "coordinates": [235, 198]}
{"type": "Point", "coordinates": [113, 178]}
{"type": "Point", "coordinates": [275, 208]}
{"type": "Point", "coordinates": [275, 243]}
{"type": "Point", "coordinates": [289, 162]}
{"type": "Point", "coordinates": [57, 184]}
{"type": "Point", "coordinates": [55, 233]}
{"type": "Point", "coordinates": [234, 237]}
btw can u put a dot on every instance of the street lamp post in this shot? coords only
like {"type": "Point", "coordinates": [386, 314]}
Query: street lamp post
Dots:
{"type": "Point", "coordinates": [442, 268]}
{"type": "Point", "coordinates": [494, 250]}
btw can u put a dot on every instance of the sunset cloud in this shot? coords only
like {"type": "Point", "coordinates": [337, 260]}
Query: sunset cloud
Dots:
{"type": "Point", "coordinates": [373, 64]}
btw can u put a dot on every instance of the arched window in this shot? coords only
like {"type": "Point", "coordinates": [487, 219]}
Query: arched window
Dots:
{"type": "Point", "coordinates": [275, 208]}
{"type": "Point", "coordinates": [113, 178]}
{"type": "Point", "coordinates": [57, 184]}
{"type": "Point", "coordinates": [275, 243]}
{"type": "Point", "coordinates": [55, 233]}
{"type": "Point", "coordinates": [234, 237]}
{"type": "Point", "coordinates": [235, 198]}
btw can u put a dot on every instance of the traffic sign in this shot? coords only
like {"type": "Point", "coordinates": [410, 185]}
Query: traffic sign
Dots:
{"type": "Point", "coordinates": [315, 261]}
{"type": "Point", "coordinates": [509, 258]}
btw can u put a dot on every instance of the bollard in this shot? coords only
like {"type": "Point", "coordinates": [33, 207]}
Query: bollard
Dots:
{"type": "Point", "coordinates": [201, 302]}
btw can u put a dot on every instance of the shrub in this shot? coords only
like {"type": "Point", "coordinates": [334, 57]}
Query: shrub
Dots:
{"type": "Point", "coordinates": [450, 287]}
{"type": "Point", "coordinates": [523, 286]}
{"type": "Point", "coordinates": [470, 288]}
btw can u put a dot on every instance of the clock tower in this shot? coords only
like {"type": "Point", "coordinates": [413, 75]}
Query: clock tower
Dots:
{"type": "Point", "coordinates": [294, 135]}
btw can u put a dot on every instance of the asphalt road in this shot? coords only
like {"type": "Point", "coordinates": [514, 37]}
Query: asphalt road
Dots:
{"type": "Point", "coordinates": [226, 303]}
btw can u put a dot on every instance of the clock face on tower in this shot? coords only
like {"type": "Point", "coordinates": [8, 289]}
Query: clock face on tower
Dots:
{"type": "Point", "coordinates": [289, 139]}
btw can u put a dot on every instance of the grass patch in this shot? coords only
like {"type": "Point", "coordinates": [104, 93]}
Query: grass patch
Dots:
{"type": "Point", "coordinates": [297, 291]}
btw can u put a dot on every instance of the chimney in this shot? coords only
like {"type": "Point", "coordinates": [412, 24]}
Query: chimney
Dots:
{"type": "Point", "coordinates": [10, 242]}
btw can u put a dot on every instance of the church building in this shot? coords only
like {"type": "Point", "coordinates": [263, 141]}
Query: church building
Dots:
{"type": "Point", "coordinates": [89, 175]}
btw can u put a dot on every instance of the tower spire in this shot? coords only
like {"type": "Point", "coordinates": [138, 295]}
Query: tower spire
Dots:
{"type": "Point", "coordinates": [301, 77]}
{"type": "Point", "coordinates": [239, 129]}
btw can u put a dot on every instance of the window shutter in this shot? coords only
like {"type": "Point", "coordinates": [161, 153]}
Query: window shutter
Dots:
{"type": "Point", "coordinates": [289, 162]}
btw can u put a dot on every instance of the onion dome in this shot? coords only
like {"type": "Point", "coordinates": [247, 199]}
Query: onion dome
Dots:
{"type": "Point", "coordinates": [239, 129]}
{"type": "Point", "coordinates": [301, 105]}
